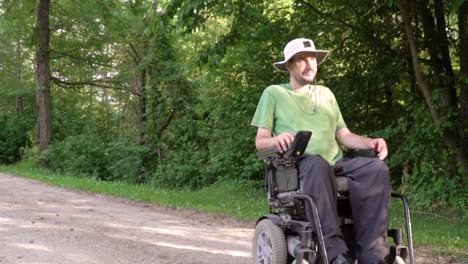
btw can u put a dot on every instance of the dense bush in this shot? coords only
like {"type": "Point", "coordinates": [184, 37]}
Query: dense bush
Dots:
{"type": "Point", "coordinates": [14, 136]}
{"type": "Point", "coordinates": [92, 156]}
{"type": "Point", "coordinates": [182, 168]}
{"type": "Point", "coordinates": [419, 163]}
{"type": "Point", "coordinates": [195, 164]}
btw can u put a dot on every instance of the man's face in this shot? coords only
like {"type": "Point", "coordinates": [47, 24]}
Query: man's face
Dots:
{"type": "Point", "coordinates": [303, 68]}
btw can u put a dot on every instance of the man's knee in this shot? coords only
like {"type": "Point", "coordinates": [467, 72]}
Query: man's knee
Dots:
{"type": "Point", "coordinates": [314, 163]}
{"type": "Point", "coordinates": [315, 172]}
{"type": "Point", "coordinates": [380, 169]}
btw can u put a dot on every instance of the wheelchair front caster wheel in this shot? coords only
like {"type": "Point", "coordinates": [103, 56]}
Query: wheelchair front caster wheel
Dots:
{"type": "Point", "coordinates": [269, 245]}
{"type": "Point", "coordinates": [303, 262]}
{"type": "Point", "coordinates": [398, 260]}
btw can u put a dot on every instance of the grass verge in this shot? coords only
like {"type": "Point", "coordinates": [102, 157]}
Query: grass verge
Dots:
{"type": "Point", "coordinates": [247, 201]}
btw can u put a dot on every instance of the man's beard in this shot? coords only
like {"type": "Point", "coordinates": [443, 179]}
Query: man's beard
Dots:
{"type": "Point", "coordinates": [304, 80]}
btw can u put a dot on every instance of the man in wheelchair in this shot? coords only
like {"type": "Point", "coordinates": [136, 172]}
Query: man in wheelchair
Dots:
{"type": "Point", "coordinates": [302, 105]}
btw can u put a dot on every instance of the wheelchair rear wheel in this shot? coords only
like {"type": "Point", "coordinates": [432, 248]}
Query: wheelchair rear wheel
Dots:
{"type": "Point", "coordinates": [269, 244]}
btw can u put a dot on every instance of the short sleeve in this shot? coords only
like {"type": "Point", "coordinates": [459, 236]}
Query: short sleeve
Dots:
{"type": "Point", "coordinates": [264, 115]}
{"type": "Point", "coordinates": [340, 123]}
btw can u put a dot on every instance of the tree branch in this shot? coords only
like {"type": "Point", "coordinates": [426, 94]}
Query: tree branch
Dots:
{"type": "Point", "coordinates": [368, 35]}
{"type": "Point", "coordinates": [136, 57]}
{"type": "Point", "coordinates": [101, 83]}
{"type": "Point", "coordinates": [80, 59]}
{"type": "Point", "coordinates": [421, 81]}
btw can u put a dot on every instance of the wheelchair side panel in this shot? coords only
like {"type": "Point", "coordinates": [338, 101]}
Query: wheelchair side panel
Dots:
{"type": "Point", "coordinates": [284, 178]}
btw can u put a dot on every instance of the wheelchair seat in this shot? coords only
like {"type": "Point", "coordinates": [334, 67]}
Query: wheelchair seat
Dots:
{"type": "Point", "coordinates": [341, 184]}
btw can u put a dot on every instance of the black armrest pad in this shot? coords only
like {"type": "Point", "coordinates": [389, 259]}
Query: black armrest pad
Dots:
{"type": "Point", "coordinates": [267, 153]}
{"type": "Point", "coordinates": [352, 153]}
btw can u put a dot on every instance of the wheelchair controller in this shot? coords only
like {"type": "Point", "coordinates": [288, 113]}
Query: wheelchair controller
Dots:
{"type": "Point", "coordinates": [284, 177]}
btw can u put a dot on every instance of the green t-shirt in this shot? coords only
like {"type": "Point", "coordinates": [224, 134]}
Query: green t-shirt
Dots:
{"type": "Point", "coordinates": [281, 109]}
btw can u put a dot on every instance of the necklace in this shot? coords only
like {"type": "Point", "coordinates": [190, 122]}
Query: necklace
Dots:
{"type": "Point", "coordinates": [309, 95]}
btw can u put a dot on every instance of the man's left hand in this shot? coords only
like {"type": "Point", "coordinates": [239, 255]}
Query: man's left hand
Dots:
{"type": "Point", "coordinates": [380, 146]}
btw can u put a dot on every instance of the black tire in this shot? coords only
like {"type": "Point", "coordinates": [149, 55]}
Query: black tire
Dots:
{"type": "Point", "coordinates": [269, 244]}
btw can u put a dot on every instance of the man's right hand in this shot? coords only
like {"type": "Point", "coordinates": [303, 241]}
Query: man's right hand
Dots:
{"type": "Point", "coordinates": [283, 140]}
{"type": "Point", "coordinates": [265, 140]}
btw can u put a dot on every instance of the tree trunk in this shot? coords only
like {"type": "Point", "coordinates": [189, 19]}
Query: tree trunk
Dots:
{"type": "Point", "coordinates": [412, 43]}
{"type": "Point", "coordinates": [142, 108]}
{"type": "Point", "coordinates": [463, 31]}
{"type": "Point", "coordinates": [142, 121]}
{"type": "Point", "coordinates": [450, 137]}
{"type": "Point", "coordinates": [442, 74]}
{"type": "Point", "coordinates": [44, 121]}
{"type": "Point", "coordinates": [140, 90]}
{"type": "Point", "coordinates": [448, 94]}
{"type": "Point", "coordinates": [18, 73]}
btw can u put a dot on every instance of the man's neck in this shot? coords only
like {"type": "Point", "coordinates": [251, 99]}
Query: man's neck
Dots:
{"type": "Point", "coordinates": [299, 86]}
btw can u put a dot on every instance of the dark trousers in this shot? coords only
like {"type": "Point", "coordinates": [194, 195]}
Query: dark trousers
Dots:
{"type": "Point", "coordinates": [369, 194]}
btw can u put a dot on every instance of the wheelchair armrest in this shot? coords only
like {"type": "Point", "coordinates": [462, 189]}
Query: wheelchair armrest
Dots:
{"type": "Point", "coordinates": [296, 148]}
{"type": "Point", "coordinates": [268, 153]}
{"type": "Point", "coordinates": [352, 153]}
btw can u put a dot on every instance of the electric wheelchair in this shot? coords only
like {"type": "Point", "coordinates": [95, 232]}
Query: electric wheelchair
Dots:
{"type": "Point", "coordinates": [285, 235]}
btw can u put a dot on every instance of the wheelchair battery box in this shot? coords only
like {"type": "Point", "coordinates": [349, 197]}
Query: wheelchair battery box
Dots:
{"type": "Point", "coordinates": [285, 178]}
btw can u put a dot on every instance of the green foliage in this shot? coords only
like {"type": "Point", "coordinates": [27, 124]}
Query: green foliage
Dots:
{"type": "Point", "coordinates": [124, 161]}
{"type": "Point", "coordinates": [183, 168]}
{"type": "Point", "coordinates": [454, 5]}
{"type": "Point", "coordinates": [79, 155]}
{"type": "Point", "coordinates": [419, 162]}
{"type": "Point", "coordinates": [14, 136]}
{"type": "Point", "coordinates": [67, 123]}
{"type": "Point", "coordinates": [163, 92]}
{"type": "Point", "coordinates": [91, 156]}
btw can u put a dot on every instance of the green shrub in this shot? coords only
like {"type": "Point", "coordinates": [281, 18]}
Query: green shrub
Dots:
{"type": "Point", "coordinates": [91, 156]}
{"type": "Point", "coordinates": [201, 150]}
{"type": "Point", "coordinates": [423, 167]}
{"type": "Point", "coordinates": [182, 168]}
{"type": "Point", "coordinates": [77, 155]}
{"type": "Point", "coordinates": [14, 136]}
{"type": "Point", "coordinates": [124, 162]}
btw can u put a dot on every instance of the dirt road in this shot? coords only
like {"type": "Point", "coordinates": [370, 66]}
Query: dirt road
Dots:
{"type": "Point", "coordinates": [40, 224]}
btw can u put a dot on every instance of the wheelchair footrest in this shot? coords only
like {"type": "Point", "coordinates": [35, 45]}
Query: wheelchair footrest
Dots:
{"type": "Point", "coordinates": [301, 259]}
{"type": "Point", "coordinates": [398, 251]}
{"type": "Point", "coordinates": [397, 235]}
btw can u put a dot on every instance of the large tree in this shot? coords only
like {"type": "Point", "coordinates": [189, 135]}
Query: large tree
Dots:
{"type": "Point", "coordinates": [446, 111]}
{"type": "Point", "coordinates": [44, 119]}
{"type": "Point", "coordinates": [463, 78]}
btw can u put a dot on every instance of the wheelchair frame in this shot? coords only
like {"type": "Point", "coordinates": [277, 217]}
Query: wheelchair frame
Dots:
{"type": "Point", "coordinates": [286, 203]}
